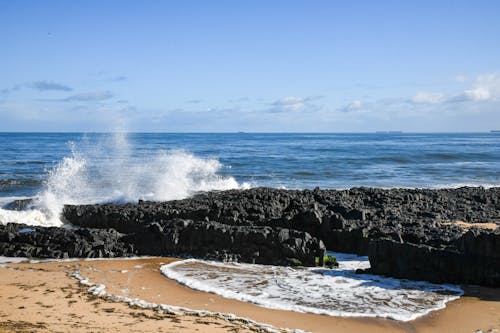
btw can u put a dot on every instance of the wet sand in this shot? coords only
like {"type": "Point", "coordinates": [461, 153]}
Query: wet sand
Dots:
{"type": "Point", "coordinates": [43, 297]}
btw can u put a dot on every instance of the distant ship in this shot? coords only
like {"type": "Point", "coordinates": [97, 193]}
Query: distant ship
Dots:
{"type": "Point", "coordinates": [389, 132]}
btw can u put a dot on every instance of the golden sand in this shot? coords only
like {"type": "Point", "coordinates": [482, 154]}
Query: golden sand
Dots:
{"type": "Point", "coordinates": [42, 297]}
{"type": "Point", "coordinates": [467, 225]}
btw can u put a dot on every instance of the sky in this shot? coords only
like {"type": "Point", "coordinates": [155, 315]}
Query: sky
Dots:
{"type": "Point", "coordinates": [256, 66]}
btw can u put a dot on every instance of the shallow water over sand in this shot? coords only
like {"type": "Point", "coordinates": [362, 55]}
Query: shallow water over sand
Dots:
{"type": "Point", "coordinates": [336, 292]}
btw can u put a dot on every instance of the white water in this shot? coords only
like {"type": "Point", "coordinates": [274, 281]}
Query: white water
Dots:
{"type": "Point", "coordinates": [109, 172]}
{"type": "Point", "coordinates": [336, 292]}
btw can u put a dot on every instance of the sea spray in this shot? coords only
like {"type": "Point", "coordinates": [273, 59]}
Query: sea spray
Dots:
{"type": "Point", "coordinates": [109, 171]}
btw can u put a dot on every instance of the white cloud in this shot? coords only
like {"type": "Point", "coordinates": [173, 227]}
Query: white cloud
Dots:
{"type": "Point", "coordinates": [488, 84]}
{"type": "Point", "coordinates": [486, 87]}
{"type": "Point", "coordinates": [90, 96]}
{"type": "Point", "coordinates": [460, 78]}
{"type": "Point", "coordinates": [294, 103]}
{"type": "Point", "coordinates": [428, 98]}
{"type": "Point", "coordinates": [353, 106]}
{"type": "Point", "coordinates": [290, 103]}
{"type": "Point", "coordinates": [477, 94]}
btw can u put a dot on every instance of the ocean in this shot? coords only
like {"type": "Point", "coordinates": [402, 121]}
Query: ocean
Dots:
{"type": "Point", "coordinates": [55, 169]}
{"type": "Point", "coordinates": [75, 168]}
{"type": "Point", "coordinates": [276, 160]}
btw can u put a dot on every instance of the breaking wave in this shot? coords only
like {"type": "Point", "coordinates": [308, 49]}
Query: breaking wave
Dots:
{"type": "Point", "coordinates": [111, 172]}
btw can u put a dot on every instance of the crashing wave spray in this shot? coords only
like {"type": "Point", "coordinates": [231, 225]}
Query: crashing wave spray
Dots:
{"type": "Point", "coordinates": [110, 171]}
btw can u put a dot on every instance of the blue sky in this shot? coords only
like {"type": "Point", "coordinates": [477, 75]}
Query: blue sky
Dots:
{"type": "Point", "coordinates": [266, 66]}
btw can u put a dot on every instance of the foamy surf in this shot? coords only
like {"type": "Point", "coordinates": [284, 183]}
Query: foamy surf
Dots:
{"type": "Point", "coordinates": [109, 172]}
{"type": "Point", "coordinates": [30, 217]}
{"type": "Point", "coordinates": [336, 292]}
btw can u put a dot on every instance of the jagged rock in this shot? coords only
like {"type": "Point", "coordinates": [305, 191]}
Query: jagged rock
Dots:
{"type": "Point", "coordinates": [263, 245]}
{"type": "Point", "coordinates": [53, 242]}
{"type": "Point", "coordinates": [474, 260]}
{"type": "Point", "coordinates": [20, 204]}
{"type": "Point", "coordinates": [268, 225]}
{"type": "Point", "coordinates": [346, 221]}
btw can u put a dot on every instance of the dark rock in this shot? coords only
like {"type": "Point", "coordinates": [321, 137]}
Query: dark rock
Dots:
{"type": "Point", "coordinates": [411, 215]}
{"type": "Point", "coordinates": [20, 204]}
{"type": "Point", "coordinates": [262, 245]}
{"type": "Point", "coordinates": [41, 242]}
{"type": "Point", "coordinates": [213, 240]}
{"type": "Point", "coordinates": [275, 226]}
{"type": "Point", "coordinates": [346, 221]}
{"type": "Point", "coordinates": [477, 263]}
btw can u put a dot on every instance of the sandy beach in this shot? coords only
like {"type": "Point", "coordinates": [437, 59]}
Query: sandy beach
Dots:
{"type": "Point", "coordinates": [43, 297]}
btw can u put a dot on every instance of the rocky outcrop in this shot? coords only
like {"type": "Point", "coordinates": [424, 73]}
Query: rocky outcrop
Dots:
{"type": "Point", "coordinates": [19, 240]}
{"type": "Point", "coordinates": [213, 240]}
{"type": "Point", "coordinates": [345, 220]}
{"type": "Point", "coordinates": [402, 230]}
{"type": "Point", "coordinates": [475, 259]}
{"type": "Point", "coordinates": [408, 233]}
{"type": "Point", "coordinates": [209, 240]}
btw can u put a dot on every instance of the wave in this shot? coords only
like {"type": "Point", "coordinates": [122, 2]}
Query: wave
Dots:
{"type": "Point", "coordinates": [7, 185]}
{"type": "Point", "coordinates": [304, 173]}
{"type": "Point", "coordinates": [30, 217]}
{"type": "Point", "coordinates": [22, 162]}
{"type": "Point", "coordinates": [7, 182]}
{"type": "Point", "coordinates": [335, 292]}
{"type": "Point", "coordinates": [468, 184]}
{"type": "Point", "coordinates": [393, 159]}
{"type": "Point", "coordinates": [110, 171]}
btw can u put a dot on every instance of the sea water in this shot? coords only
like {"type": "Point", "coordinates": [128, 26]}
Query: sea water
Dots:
{"type": "Point", "coordinates": [76, 168]}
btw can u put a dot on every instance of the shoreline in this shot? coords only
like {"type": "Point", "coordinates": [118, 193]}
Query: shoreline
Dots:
{"type": "Point", "coordinates": [140, 278]}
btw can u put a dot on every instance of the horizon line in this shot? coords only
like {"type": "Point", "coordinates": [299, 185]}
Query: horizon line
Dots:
{"type": "Point", "coordinates": [249, 132]}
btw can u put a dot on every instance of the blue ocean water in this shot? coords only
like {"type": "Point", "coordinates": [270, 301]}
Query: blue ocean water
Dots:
{"type": "Point", "coordinates": [277, 160]}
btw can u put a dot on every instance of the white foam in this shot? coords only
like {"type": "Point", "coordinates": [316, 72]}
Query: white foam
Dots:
{"type": "Point", "coordinates": [336, 292]}
{"type": "Point", "coordinates": [458, 185]}
{"type": "Point", "coordinates": [31, 217]}
{"type": "Point", "coordinates": [110, 172]}
{"type": "Point", "coordinates": [12, 260]}
{"type": "Point", "coordinates": [99, 290]}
